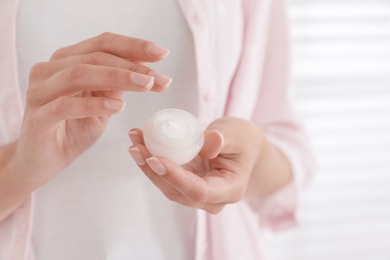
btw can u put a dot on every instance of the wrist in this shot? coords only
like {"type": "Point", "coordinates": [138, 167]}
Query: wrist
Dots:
{"type": "Point", "coordinates": [12, 183]}
{"type": "Point", "coordinates": [13, 192]}
{"type": "Point", "coordinates": [271, 170]}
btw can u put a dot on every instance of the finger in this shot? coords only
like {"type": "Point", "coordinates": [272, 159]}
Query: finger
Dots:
{"type": "Point", "coordinates": [115, 94]}
{"type": "Point", "coordinates": [46, 69]}
{"type": "Point", "coordinates": [136, 136]}
{"type": "Point", "coordinates": [66, 107]}
{"type": "Point", "coordinates": [213, 142]}
{"type": "Point", "coordinates": [118, 45]}
{"type": "Point", "coordinates": [82, 77]}
{"type": "Point", "coordinates": [217, 186]}
{"type": "Point", "coordinates": [139, 153]}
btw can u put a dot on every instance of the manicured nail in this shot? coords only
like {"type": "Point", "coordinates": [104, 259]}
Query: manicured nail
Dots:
{"type": "Point", "coordinates": [157, 50]}
{"type": "Point", "coordinates": [156, 165]}
{"type": "Point", "coordinates": [135, 152]}
{"type": "Point", "coordinates": [159, 79]}
{"type": "Point", "coordinates": [134, 137]}
{"type": "Point", "coordinates": [142, 80]}
{"type": "Point", "coordinates": [114, 104]}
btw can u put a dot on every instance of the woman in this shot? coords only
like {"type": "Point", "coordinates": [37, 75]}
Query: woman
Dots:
{"type": "Point", "coordinates": [67, 189]}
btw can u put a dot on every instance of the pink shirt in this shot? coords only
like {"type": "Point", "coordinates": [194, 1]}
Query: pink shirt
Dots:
{"type": "Point", "coordinates": [258, 92]}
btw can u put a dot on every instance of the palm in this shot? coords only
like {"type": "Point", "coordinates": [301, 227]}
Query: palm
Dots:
{"type": "Point", "coordinates": [77, 135]}
{"type": "Point", "coordinates": [83, 132]}
{"type": "Point", "coordinates": [71, 97]}
{"type": "Point", "coordinates": [219, 175]}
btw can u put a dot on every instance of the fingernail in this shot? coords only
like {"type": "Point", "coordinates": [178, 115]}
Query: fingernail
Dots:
{"type": "Point", "coordinates": [135, 152]}
{"type": "Point", "coordinates": [142, 80]}
{"type": "Point", "coordinates": [156, 165]}
{"type": "Point", "coordinates": [157, 50]}
{"type": "Point", "coordinates": [134, 137]}
{"type": "Point", "coordinates": [114, 104]}
{"type": "Point", "coordinates": [159, 79]}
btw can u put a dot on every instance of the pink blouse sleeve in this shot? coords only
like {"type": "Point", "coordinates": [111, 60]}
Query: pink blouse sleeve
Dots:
{"type": "Point", "coordinates": [274, 113]}
{"type": "Point", "coordinates": [15, 230]}
{"type": "Point", "coordinates": [15, 233]}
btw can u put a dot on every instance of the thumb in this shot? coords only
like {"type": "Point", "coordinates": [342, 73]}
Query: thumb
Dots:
{"type": "Point", "coordinates": [213, 142]}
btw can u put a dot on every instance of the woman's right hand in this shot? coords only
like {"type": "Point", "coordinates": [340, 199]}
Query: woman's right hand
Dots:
{"type": "Point", "coordinates": [71, 97]}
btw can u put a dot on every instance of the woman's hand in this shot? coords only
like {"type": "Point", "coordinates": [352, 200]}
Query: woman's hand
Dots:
{"type": "Point", "coordinates": [71, 97]}
{"type": "Point", "coordinates": [235, 153]}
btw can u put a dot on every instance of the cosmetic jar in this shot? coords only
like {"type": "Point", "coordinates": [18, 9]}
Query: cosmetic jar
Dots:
{"type": "Point", "coordinates": [174, 134]}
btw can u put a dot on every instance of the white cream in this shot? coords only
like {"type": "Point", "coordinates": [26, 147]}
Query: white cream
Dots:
{"type": "Point", "coordinates": [174, 134]}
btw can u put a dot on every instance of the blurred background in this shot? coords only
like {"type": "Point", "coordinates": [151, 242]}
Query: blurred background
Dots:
{"type": "Point", "coordinates": [341, 51]}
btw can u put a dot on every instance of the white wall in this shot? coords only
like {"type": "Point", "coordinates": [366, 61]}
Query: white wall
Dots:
{"type": "Point", "coordinates": [342, 90]}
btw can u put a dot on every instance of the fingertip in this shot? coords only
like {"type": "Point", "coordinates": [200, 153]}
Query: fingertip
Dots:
{"type": "Point", "coordinates": [136, 153]}
{"type": "Point", "coordinates": [156, 165]}
{"type": "Point", "coordinates": [161, 82]}
{"type": "Point", "coordinates": [135, 136]}
{"type": "Point", "coordinates": [116, 105]}
{"type": "Point", "coordinates": [141, 81]}
{"type": "Point", "coordinates": [157, 50]}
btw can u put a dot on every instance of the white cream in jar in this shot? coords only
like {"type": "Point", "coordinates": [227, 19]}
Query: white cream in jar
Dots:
{"type": "Point", "coordinates": [174, 134]}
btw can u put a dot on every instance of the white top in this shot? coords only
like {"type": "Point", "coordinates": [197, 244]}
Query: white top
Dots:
{"type": "Point", "coordinates": [102, 206]}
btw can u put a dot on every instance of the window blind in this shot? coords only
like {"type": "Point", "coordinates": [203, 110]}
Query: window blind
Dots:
{"type": "Point", "coordinates": [341, 72]}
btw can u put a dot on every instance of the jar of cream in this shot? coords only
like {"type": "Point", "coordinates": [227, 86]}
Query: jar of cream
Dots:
{"type": "Point", "coordinates": [174, 134]}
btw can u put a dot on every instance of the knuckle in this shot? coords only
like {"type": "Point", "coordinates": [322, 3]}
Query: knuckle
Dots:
{"type": "Point", "coordinates": [139, 68]}
{"type": "Point", "coordinates": [103, 39]}
{"type": "Point", "coordinates": [60, 106]}
{"type": "Point", "coordinates": [37, 69]}
{"type": "Point", "coordinates": [135, 67]}
{"type": "Point", "coordinates": [58, 54]}
{"type": "Point", "coordinates": [95, 58]}
{"type": "Point", "coordinates": [112, 74]}
{"type": "Point", "coordinates": [74, 72]}
{"type": "Point", "coordinates": [87, 105]}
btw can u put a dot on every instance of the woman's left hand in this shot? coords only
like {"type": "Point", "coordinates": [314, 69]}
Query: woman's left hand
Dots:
{"type": "Point", "coordinates": [219, 175]}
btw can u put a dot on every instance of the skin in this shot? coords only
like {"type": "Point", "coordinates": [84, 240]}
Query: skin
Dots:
{"type": "Point", "coordinates": [70, 100]}
{"type": "Point", "coordinates": [227, 169]}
